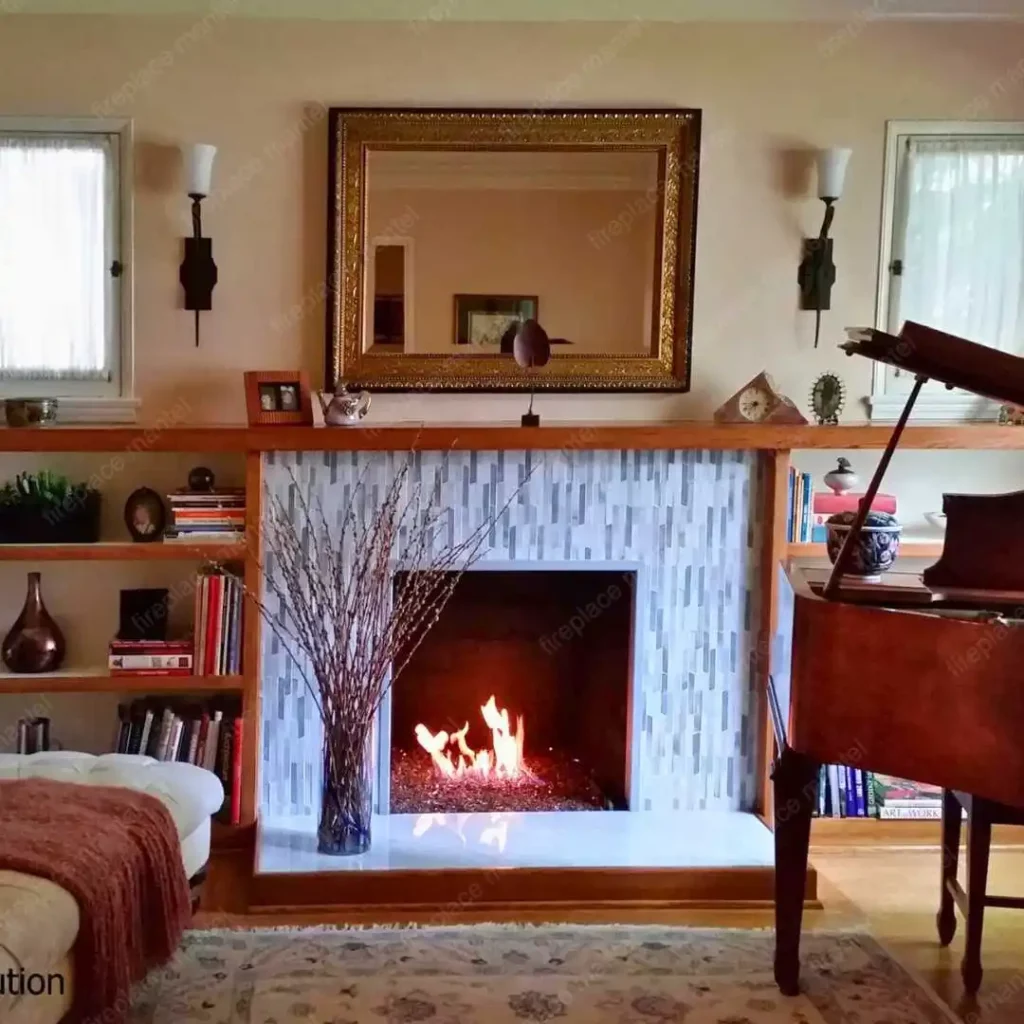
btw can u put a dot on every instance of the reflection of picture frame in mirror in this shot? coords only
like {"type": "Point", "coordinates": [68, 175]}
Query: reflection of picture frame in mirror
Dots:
{"type": "Point", "coordinates": [278, 398]}
{"type": "Point", "coordinates": [482, 320]}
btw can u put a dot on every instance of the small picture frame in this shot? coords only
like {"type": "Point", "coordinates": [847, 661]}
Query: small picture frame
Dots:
{"type": "Point", "coordinates": [481, 321]}
{"type": "Point", "coordinates": [278, 398]}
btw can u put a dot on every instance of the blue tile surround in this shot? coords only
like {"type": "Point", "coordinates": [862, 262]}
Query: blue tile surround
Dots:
{"type": "Point", "coordinates": [686, 520]}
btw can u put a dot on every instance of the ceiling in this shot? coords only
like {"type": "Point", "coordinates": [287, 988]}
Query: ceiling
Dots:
{"type": "Point", "coordinates": [543, 10]}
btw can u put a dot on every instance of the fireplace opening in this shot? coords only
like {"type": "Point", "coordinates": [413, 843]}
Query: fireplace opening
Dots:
{"type": "Point", "coordinates": [518, 699]}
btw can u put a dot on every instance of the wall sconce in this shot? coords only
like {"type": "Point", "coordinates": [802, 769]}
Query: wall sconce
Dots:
{"type": "Point", "coordinates": [198, 273]}
{"type": "Point", "coordinates": [817, 270]}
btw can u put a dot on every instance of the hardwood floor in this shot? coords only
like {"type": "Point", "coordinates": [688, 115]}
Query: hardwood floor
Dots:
{"type": "Point", "coordinates": [891, 893]}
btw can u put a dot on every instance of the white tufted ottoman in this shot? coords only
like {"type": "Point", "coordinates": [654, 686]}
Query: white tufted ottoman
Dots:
{"type": "Point", "coordinates": [38, 919]}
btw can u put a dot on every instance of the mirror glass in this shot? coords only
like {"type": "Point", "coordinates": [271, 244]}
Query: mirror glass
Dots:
{"type": "Point", "coordinates": [461, 245]}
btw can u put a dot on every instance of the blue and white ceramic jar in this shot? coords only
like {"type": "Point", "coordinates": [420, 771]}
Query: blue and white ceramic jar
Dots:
{"type": "Point", "coordinates": [877, 547]}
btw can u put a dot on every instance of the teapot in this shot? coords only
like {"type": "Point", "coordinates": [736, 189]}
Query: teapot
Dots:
{"type": "Point", "coordinates": [345, 407]}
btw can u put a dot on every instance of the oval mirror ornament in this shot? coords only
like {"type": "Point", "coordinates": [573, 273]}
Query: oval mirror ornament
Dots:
{"type": "Point", "coordinates": [531, 347]}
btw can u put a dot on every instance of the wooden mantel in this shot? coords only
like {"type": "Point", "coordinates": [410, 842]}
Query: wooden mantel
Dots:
{"type": "Point", "coordinates": [679, 434]}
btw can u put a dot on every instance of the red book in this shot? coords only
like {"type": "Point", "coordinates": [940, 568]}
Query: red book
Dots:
{"type": "Point", "coordinates": [236, 774]}
{"type": "Point", "coordinates": [210, 625]}
{"type": "Point", "coordinates": [828, 503]}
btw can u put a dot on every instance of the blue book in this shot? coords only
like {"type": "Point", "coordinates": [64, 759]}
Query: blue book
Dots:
{"type": "Point", "coordinates": [805, 512]}
{"type": "Point", "coordinates": [851, 794]}
{"type": "Point", "coordinates": [790, 507]}
{"type": "Point", "coordinates": [858, 777]}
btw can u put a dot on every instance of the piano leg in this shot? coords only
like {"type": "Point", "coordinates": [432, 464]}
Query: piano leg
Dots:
{"type": "Point", "coordinates": [796, 794]}
{"type": "Point", "coordinates": [979, 842]}
{"type": "Point", "coordinates": [951, 826]}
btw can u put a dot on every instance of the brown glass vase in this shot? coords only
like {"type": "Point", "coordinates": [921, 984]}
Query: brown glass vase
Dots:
{"type": "Point", "coordinates": [35, 642]}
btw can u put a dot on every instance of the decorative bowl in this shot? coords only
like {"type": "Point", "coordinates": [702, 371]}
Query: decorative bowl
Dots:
{"type": "Point", "coordinates": [30, 412]}
{"type": "Point", "coordinates": [878, 545]}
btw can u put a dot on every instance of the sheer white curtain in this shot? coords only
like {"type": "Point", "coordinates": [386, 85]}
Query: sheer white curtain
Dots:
{"type": "Point", "coordinates": [963, 251]}
{"type": "Point", "coordinates": [54, 257]}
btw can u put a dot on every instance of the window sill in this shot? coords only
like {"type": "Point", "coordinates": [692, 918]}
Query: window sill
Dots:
{"type": "Point", "coordinates": [97, 410]}
{"type": "Point", "coordinates": [954, 408]}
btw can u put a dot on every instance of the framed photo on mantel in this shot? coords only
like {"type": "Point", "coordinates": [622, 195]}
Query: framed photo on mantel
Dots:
{"type": "Point", "coordinates": [275, 398]}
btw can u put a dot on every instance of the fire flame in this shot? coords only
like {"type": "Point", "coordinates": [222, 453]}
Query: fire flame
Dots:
{"type": "Point", "coordinates": [503, 760]}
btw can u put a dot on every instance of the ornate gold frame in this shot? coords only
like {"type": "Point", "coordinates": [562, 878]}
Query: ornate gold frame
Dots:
{"type": "Point", "coordinates": [673, 134]}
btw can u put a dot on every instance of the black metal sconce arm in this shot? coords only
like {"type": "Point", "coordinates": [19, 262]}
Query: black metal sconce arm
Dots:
{"type": "Point", "coordinates": [817, 270]}
{"type": "Point", "coordinates": [198, 272]}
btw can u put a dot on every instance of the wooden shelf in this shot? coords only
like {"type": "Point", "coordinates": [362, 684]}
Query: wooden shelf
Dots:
{"type": "Point", "coordinates": [100, 681]}
{"type": "Point", "coordinates": [679, 434]}
{"type": "Point", "coordinates": [118, 551]}
{"type": "Point", "coordinates": [910, 549]}
{"type": "Point", "coordinates": [912, 832]}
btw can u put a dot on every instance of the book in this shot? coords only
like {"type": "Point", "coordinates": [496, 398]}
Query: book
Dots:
{"type": "Point", "coordinates": [910, 813]}
{"type": "Point", "coordinates": [147, 728]}
{"type": "Point", "coordinates": [236, 773]}
{"type": "Point", "coordinates": [140, 662]}
{"type": "Point", "coordinates": [212, 744]}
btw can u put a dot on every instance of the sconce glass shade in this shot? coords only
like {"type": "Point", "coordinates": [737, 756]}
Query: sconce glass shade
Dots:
{"type": "Point", "coordinates": [832, 164]}
{"type": "Point", "coordinates": [199, 166]}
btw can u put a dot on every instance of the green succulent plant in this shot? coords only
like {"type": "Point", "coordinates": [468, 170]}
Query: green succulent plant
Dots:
{"type": "Point", "coordinates": [43, 490]}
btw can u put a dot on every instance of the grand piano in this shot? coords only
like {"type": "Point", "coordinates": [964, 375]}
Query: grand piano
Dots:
{"type": "Point", "coordinates": [923, 679]}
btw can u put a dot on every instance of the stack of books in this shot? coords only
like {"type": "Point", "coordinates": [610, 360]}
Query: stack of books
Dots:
{"type": "Point", "coordinates": [799, 513]}
{"type": "Point", "coordinates": [845, 792]}
{"type": "Point", "coordinates": [207, 515]}
{"type": "Point", "coordinates": [828, 504]}
{"type": "Point", "coordinates": [218, 619]}
{"type": "Point", "coordinates": [901, 799]}
{"type": "Point", "coordinates": [204, 735]}
{"type": "Point", "coordinates": [150, 657]}
{"type": "Point", "coordinates": [809, 512]}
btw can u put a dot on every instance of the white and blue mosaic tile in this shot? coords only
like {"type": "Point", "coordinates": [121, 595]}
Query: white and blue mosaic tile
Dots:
{"type": "Point", "coordinates": [685, 520]}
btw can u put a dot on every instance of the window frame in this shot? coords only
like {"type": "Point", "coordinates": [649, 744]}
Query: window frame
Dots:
{"type": "Point", "coordinates": [885, 401]}
{"type": "Point", "coordinates": [97, 401]}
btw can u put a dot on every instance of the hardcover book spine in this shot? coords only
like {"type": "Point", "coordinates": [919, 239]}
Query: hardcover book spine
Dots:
{"type": "Point", "coordinates": [137, 662]}
{"type": "Point", "coordinates": [236, 773]}
{"type": "Point", "coordinates": [213, 604]}
{"type": "Point", "coordinates": [805, 509]}
{"type": "Point", "coordinates": [200, 624]}
{"type": "Point", "coordinates": [227, 738]}
{"type": "Point", "coordinates": [147, 728]}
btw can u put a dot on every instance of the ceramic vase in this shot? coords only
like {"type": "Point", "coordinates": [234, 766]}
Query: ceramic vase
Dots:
{"type": "Point", "coordinates": [877, 547]}
{"type": "Point", "coordinates": [347, 789]}
{"type": "Point", "coordinates": [35, 642]}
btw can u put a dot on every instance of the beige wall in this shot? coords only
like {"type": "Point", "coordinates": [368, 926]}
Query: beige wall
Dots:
{"type": "Point", "coordinates": [592, 288]}
{"type": "Point", "coordinates": [770, 93]}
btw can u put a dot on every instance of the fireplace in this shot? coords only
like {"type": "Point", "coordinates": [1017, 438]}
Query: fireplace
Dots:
{"type": "Point", "coordinates": [519, 698]}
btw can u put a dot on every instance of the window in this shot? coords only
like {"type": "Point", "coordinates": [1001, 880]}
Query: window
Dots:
{"type": "Point", "coordinates": [64, 265]}
{"type": "Point", "coordinates": [953, 249]}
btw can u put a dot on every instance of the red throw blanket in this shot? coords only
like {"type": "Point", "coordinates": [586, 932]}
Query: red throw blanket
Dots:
{"type": "Point", "coordinates": [117, 852]}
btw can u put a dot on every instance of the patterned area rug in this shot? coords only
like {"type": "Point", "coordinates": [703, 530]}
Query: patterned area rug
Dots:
{"type": "Point", "coordinates": [494, 974]}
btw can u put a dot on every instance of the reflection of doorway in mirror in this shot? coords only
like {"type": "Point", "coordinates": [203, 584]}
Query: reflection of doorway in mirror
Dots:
{"type": "Point", "coordinates": [388, 309]}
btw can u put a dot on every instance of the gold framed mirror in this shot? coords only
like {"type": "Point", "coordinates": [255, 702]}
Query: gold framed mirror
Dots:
{"type": "Point", "coordinates": [448, 228]}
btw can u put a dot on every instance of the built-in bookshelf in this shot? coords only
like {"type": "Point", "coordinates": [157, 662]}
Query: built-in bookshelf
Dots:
{"type": "Point", "coordinates": [908, 549]}
{"type": "Point", "coordinates": [122, 551]}
{"type": "Point", "coordinates": [773, 443]}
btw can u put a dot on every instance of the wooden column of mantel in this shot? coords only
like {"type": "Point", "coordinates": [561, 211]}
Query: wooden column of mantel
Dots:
{"type": "Point", "coordinates": [501, 436]}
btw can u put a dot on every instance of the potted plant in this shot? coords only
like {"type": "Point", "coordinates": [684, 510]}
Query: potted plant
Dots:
{"type": "Point", "coordinates": [46, 508]}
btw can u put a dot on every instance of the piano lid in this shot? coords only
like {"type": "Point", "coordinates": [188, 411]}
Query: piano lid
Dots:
{"type": "Point", "coordinates": [935, 355]}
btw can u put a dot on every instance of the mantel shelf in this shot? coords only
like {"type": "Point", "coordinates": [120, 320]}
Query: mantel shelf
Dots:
{"type": "Point", "coordinates": [679, 434]}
